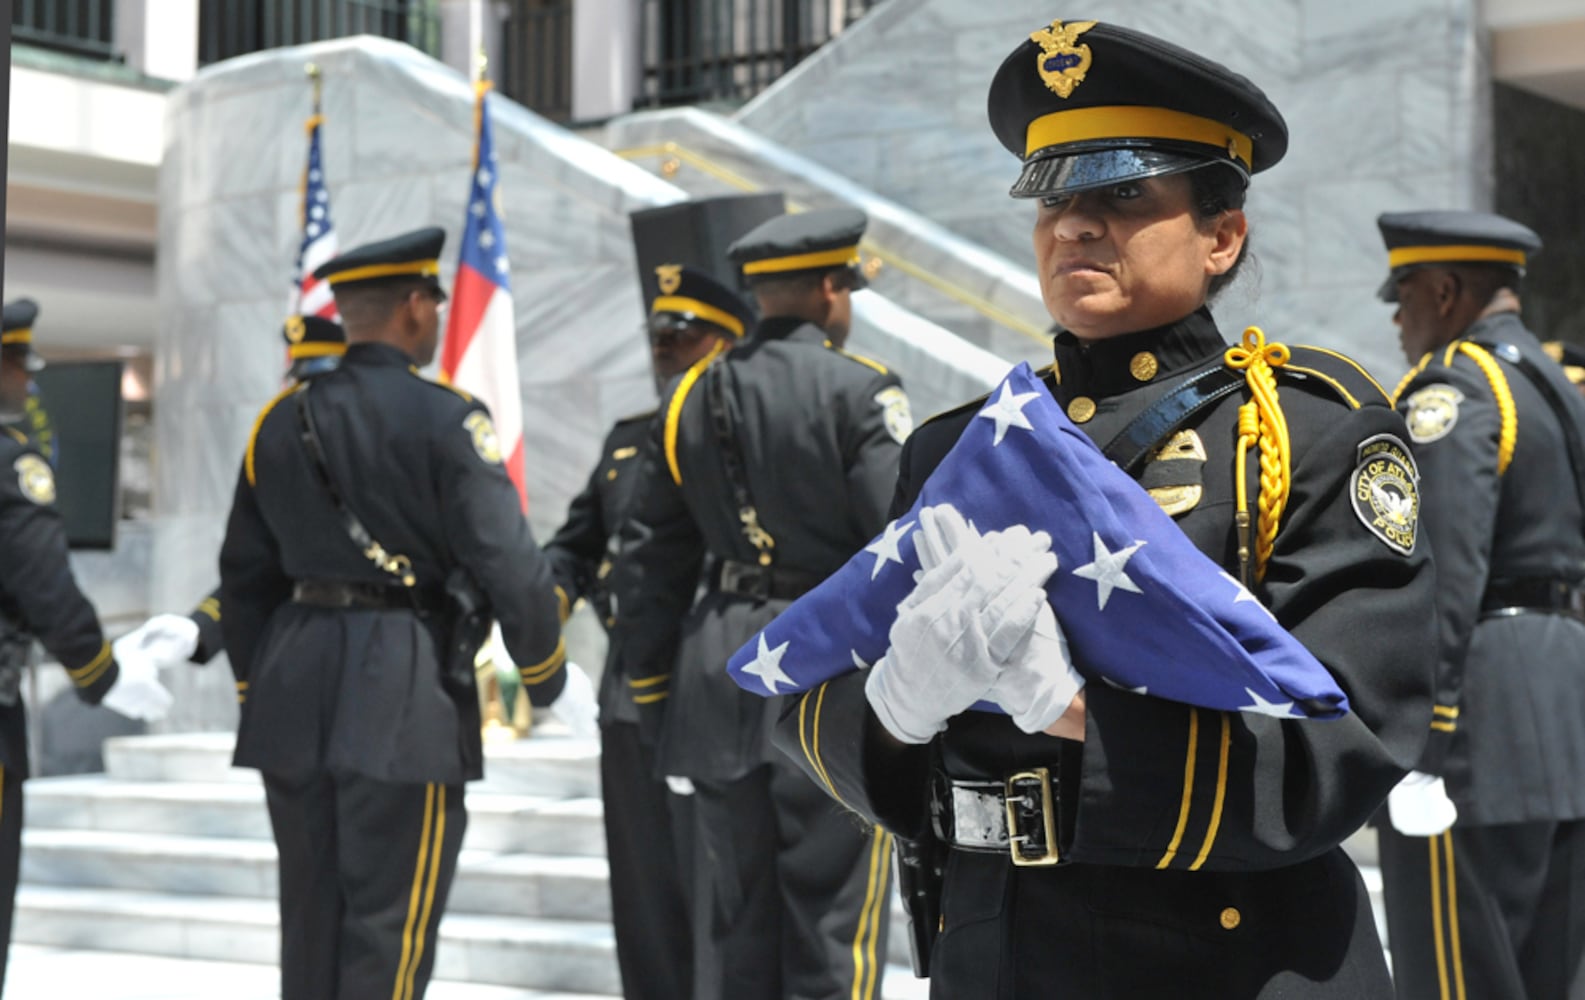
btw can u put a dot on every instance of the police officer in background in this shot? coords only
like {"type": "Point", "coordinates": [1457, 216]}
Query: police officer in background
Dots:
{"type": "Point", "coordinates": [39, 599]}
{"type": "Point", "coordinates": [1572, 358]}
{"type": "Point", "coordinates": [314, 345]}
{"type": "Point", "coordinates": [648, 829]}
{"type": "Point", "coordinates": [374, 528]}
{"type": "Point", "coordinates": [1496, 904]}
{"type": "Point", "coordinates": [774, 461]}
{"type": "Point", "coordinates": [1102, 842]}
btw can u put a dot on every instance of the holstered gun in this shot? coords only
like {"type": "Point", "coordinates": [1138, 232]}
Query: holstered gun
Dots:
{"type": "Point", "coordinates": [921, 872]}
{"type": "Point", "coordinates": [468, 617]}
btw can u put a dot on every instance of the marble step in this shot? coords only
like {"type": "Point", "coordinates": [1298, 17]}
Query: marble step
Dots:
{"type": "Point", "coordinates": [535, 824]}
{"type": "Point", "coordinates": [229, 944]}
{"type": "Point", "coordinates": [573, 956]}
{"type": "Point", "coordinates": [41, 971]}
{"type": "Point", "coordinates": [516, 885]}
{"type": "Point", "coordinates": [551, 766]}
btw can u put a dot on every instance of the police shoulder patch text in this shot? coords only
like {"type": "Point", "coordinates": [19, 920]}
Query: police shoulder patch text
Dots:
{"type": "Point", "coordinates": [485, 442]}
{"type": "Point", "coordinates": [1432, 412]}
{"type": "Point", "coordinates": [896, 412]}
{"type": "Point", "coordinates": [35, 479]}
{"type": "Point", "coordinates": [1385, 490]}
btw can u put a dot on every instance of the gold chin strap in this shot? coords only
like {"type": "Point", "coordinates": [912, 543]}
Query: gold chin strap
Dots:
{"type": "Point", "coordinates": [1260, 421]}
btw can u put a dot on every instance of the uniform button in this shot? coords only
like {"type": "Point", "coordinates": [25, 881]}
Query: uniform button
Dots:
{"type": "Point", "coordinates": [610, 621]}
{"type": "Point", "coordinates": [1143, 366]}
{"type": "Point", "coordinates": [1081, 409]}
{"type": "Point", "coordinates": [1231, 918]}
{"type": "Point", "coordinates": [610, 474]}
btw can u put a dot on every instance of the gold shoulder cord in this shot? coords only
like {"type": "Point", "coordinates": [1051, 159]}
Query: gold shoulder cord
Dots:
{"type": "Point", "coordinates": [1508, 432]}
{"type": "Point", "coordinates": [1260, 421]}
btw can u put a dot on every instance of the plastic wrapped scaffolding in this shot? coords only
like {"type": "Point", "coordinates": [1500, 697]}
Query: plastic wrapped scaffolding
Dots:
{"type": "Point", "coordinates": [397, 139]}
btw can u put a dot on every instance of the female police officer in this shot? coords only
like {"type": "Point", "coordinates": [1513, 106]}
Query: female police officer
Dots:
{"type": "Point", "coordinates": [1193, 852]}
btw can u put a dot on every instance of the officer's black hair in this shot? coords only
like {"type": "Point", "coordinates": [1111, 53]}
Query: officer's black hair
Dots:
{"type": "Point", "coordinates": [369, 305]}
{"type": "Point", "coordinates": [1217, 189]}
{"type": "Point", "coordinates": [1483, 281]}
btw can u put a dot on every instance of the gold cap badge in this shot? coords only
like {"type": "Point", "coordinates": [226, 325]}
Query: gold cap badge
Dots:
{"type": "Point", "coordinates": [670, 276]}
{"type": "Point", "coordinates": [296, 329]}
{"type": "Point", "coordinates": [1061, 63]}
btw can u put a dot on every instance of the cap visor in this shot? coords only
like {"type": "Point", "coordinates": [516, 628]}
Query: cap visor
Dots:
{"type": "Point", "coordinates": [1388, 292]}
{"type": "Point", "coordinates": [1051, 176]}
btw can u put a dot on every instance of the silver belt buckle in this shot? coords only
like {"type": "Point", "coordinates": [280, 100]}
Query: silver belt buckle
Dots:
{"type": "Point", "coordinates": [1031, 788]}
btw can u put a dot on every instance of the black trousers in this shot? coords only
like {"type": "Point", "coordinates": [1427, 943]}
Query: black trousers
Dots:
{"type": "Point", "coordinates": [10, 857]}
{"type": "Point", "coordinates": [365, 868]}
{"type": "Point", "coordinates": [1487, 912]}
{"type": "Point", "coordinates": [649, 844]}
{"type": "Point", "coordinates": [796, 892]}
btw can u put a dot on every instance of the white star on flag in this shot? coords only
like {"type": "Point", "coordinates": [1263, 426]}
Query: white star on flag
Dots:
{"type": "Point", "coordinates": [486, 239]}
{"type": "Point", "coordinates": [477, 208]}
{"type": "Point", "coordinates": [317, 212]}
{"type": "Point", "coordinates": [1245, 595]}
{"type": "Point", "coordinates": [313, 175]}
{"type": "Point", "coordinates": [502, 264]}
{"type": "Point", "coordinates": [885, 547]}
{"type": "Point", "coordinates": [766, 665]}
{"type": "Point", "coordinates": [485, 177]}
{"type": "Point", "coordinates": [1008, 411]}
{"type": "Point", "coordinates": [1277, 710]}
{"type": "Point", "coordinates": [313, 229]}
{"type": "Point", "coordinates": [1107, 570]}
{"type": "Point", "coordinates": [322, 196]}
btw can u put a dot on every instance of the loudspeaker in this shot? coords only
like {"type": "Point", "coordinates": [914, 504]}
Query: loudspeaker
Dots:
{"type": "Point", "coordinates": [696, 234]}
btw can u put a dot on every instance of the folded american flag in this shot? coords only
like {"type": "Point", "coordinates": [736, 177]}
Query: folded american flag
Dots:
{"type": "Point", "coordinates": [1142, 608]}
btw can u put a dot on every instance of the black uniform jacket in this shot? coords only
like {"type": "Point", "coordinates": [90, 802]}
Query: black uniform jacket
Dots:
{"type": "Point", "coordinates": [1189, 809]}
{"type": "Point", "coordinates": [583, 549]}
{"type": "Point", "coordinates": [1501, 508]}
{"type": "Point", "coordinates": [819, 432]}
{"type": "Point", "coordinates": [39, 597]}
{"type": "Point", "coordinates": [361, 690]}
{"type": "Point", "coordinates": [207, 617]}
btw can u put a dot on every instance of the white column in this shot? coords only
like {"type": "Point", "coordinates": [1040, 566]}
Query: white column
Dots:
{"type": "Point", "coordinates": [466, 26]}
{"type": "Point", "coordinates": [606, 63]}
{"type": "Point", "coordinates": [159, 37]}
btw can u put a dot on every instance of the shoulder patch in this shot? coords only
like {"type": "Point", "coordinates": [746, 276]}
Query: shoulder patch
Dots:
{"type": "Point", "coordinates": [899, 418]}
{"type": "Point", "coordinates": [35, 478]}
{"type": "Point", "coordinates": [485, 441]}
{"type": "Point", "coordinates": [1340, 373]}
{"type": "Point", "coordinates": [1432, 411]}
{"type": "Point", "coordinates": [1385, 490]}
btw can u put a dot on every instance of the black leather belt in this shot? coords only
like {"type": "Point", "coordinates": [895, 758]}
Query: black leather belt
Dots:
{"type": "Point", "coordinates": [344, 594]}
{"type": "Point", "coordinates": [1533, 596]}
{"type": "Point", "coordinates": [1020, 817]}
{"type": "Point", "coordinates": [775, 583]}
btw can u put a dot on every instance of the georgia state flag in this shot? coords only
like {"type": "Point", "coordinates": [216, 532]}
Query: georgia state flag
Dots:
{"type": "Point", "coordinates": [1142, 608]}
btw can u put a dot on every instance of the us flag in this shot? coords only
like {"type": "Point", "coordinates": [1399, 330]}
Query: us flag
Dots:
{"type": "Point", "coordinates": [310, 296]}
{"type": "Point", "coordinates": [480, 351]}
{"type": "Point", "coordinates": [1141, 607]}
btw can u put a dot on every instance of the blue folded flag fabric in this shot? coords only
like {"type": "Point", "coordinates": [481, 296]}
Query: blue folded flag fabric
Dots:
{"type": "Point", "coordinates": [1142, 608]}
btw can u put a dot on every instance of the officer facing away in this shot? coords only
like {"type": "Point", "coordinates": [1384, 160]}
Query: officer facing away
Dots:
{"type": "Point", "coordinates": [373, 533]}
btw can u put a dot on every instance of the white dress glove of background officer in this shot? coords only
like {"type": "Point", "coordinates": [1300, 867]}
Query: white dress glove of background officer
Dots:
{"type": "Point", "coordinates": [166, 639]}
{"type": "Point", "coordinates": [576, 705]}
{"type": "Point", "coordinates": [973, 614]}
{"type": "Point", "coordinates": [137, 692]}
{"type": "Point", "coordinates": [1419, 806]}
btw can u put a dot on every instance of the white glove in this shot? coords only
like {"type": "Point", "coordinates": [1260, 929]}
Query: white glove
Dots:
{"type": "Point", "coordinates": [1419, 806]}
{"type": "Point", "coordinates": [679, 785]}
{"type": "Point", "coordinates": [1039, 682]}
{"type": "Point", "coordinates": [166, 639]}
{"type": "Point", "coordinates": [576, 705]}
{"type": "Point", "coordinates": [973, 606]}
{"type": "Point", "coordinates": [137, 692]}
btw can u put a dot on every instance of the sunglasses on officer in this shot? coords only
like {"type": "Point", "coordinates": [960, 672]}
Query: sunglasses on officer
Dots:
{"type": "Point", "coordinates": [668, 330]}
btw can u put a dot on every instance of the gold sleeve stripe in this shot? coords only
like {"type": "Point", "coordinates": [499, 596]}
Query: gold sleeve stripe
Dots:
{"type": "Point", "coordinates": [1188, 789]}
{"type": "Point", "coordinates": [645, 682]}
{"type": "Point", "coordinates": [90, 672]}
{"type": "Point", "coordinates": [1221, 795]}
{"type": "Point", "coordinates": [1445, 727]}
{"type": "Point", "coordinates": [650, 699]}
{"type": "Point", "coordinates": [1403, 383]}
{"type": "Point", "coordinates": [563, 606]}
{"type": "Point", "coordinates": [1508, 434]}
{"type": "Point", "coordinates": [1352, 364]}
{"type": "Point", "coordinates": [253, 437]}
{"type": "Point", "coordinates": [1451, 711]}
{"type": "Point", "coordinates": [864, 965]}
{"type": "Point", "coordinates": [20, 437]}
{"type": "Point", "coordinates": [242, 685]}
{"type": "Point", "coordinates": [674, 408]}
{"type": "Point", "coordinates": [211, 607]}
{"type": "Point", "coordinates": [1454, 943]}
{"type": "Point", "coordinates": [415, 897]}
{"type": "Point", "coordinates": [1329, 380]}
{"type": "Point", "coordinates": [542, 670]}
